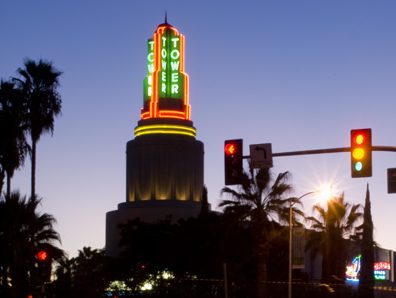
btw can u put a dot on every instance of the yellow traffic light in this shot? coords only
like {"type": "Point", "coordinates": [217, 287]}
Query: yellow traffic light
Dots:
{"type": "Point", "coordinates": [358, 153]}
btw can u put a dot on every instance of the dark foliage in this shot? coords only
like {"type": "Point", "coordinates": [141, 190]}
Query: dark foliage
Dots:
{"type": "Point", "coordinates": [83, 276]}
{"type": "Point", "coordinates": [334, 225]}
{"type": "Point", "coordinates": [13, 129]}
{"type": "Point", "coordinates": [23, 232]}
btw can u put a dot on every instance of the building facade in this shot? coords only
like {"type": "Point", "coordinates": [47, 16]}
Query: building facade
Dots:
{"type": "Point", "coordinates": [164, 162]}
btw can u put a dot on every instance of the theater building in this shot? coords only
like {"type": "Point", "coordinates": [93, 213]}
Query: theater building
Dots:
{"type": "Point", "coordinates": [164, 161]}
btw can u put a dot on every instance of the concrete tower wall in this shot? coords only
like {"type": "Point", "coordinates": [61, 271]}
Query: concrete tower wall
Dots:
{"type": "Point", "coordinates": [164, 177]}
{"type": "Point", "coordinates": [164, 167]}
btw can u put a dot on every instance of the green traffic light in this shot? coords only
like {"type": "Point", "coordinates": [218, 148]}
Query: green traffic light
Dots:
{"type": "Point", "coordinates": [358, 166]}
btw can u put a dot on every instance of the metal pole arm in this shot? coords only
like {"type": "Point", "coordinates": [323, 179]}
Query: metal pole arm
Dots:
{"type": "Point", "coordinates": [332, 150]}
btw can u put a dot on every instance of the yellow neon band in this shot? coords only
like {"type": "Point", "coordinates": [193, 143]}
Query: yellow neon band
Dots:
{"type": "Point", "coordinates": [177, 132]}
{"type": "Point", "coordinates": [165, 126]}
{"type": "Point", "coordinates": [165, 129]}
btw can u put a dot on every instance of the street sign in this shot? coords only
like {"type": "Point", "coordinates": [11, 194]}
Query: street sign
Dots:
{"type": "Point", "coordinates": [392, 180]}
{"type": "Point", "coordinates": [261, 155]}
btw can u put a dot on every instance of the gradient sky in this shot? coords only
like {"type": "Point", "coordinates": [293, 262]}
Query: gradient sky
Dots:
{"type": "Point", "coordinates": [297, 74]}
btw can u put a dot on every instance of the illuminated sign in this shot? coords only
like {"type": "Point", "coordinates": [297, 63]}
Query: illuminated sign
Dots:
{"type": "Point", "coordinates": [382, 266]}
{"type": "Point", "coordinates": [148, 80]}
{"type": "Point", "coordinates": [379, 274]}
{"type": "Point", "coordinates": [165, 90]}
{"type": "Point", "coordinates": [170, 78]}
{"type": "Point", "coordinates": [353, 270]}
{"type": "Point", "coordinates": [380, 270]}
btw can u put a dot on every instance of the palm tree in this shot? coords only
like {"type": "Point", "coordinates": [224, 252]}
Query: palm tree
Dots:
{"type": "Point", "coordinates": [332, 228]}
{"type": "Point", "coordinates": [88, 274]}
{"type": "Point", "coordinates": [262, 205]}
{"type": "Point", "coordinates": [39, 84]}
{"type": "Point", "coordinates": [23, 231]}
{"type": "Point", "coordinates": [13, 145]}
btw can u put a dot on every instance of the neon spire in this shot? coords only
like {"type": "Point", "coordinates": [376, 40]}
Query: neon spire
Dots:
{"type": "Point", "coordinates": [166, 83]}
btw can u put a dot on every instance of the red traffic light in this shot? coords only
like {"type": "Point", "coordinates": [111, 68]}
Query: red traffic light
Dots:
{"type": "Point", "coordinates": [42, 255]}
{"type": "Point", "coordinates": [233, 161]}
{"type": "Point", "coordinates": [359, 139]}
{"type": "Point", "coordinates": [230, 148]}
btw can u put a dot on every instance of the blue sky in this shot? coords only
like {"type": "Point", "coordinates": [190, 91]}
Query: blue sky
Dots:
{"type": "Point", "coordinates": [297, 74]}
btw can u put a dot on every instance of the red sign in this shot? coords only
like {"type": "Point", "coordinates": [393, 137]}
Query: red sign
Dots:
{"type": "Point", "coordinates": [382, 266]}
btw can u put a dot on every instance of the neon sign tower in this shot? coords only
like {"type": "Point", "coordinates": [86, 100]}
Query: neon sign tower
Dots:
{"type": "Point", "coordinates": [164, 162]}
{"type": "Point", "coordinates": [166, 84]}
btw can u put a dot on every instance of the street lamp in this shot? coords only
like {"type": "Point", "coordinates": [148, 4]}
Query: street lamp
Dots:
{"type": "Point", "coordinates": [292, 202]}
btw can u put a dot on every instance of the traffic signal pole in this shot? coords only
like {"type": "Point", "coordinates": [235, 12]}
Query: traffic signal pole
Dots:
{"type": "Point", "coordinates": [384, 148]}
{"type": "Point", "coordinates": [309, 152]}
{"type": "Point", "coordinates": [328, 150]}
{"type": "Point", "coordinates": [316, 151]}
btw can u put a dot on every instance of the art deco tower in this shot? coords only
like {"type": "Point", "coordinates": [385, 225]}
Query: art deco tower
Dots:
{"type": "Point", "coordinates": [164, 163]}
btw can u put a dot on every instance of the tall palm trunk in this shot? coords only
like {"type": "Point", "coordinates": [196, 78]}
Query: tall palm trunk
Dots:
{"type": "Point", "coordinates": [8, 190]}
{"type": "Point", "coordinates": [261, 248]}
{"type": "Point", "coordinates": [33, 168]}
{"type": "Point", "coordinates": [1, 181]}
{"type": "Point", "coordinates": [262, 274]}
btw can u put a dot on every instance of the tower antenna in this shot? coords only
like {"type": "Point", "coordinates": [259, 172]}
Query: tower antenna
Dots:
{"type": "Point", "coordinates": [166, 17]}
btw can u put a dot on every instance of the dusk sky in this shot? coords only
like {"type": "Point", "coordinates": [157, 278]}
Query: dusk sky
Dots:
{"type": "Point", "coordinates": [299, 74]}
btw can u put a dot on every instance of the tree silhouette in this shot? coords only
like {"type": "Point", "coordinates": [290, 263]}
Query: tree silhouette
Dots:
{"type": "Point", "coordinates": [23, 231]}
{"type": "Point", "coordinates": [39, 82]}
{"type": "Point", "coordinates": [332, 227]}
{"type": "Point", "coordinates": [366, 282]}
{"type": "Point", "coordinates": [13, 145]}
{"type": "Point", "coordinates": [82, 276]}
{"type": "Point", "coordinates": [260, 202]}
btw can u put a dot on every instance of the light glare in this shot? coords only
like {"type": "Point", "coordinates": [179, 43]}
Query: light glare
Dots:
{"type": "Point", "coordinates": [326, 192]}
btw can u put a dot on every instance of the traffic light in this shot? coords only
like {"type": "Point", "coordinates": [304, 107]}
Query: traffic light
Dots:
{"type": "Point", "coordinates": [361, 153]}
{"type": "Point", "coordinates": [42, 255]}
{"type": "Point", "coordinates": [233, 150]}
{"type": "Point", "coordinates": [44, 263]}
